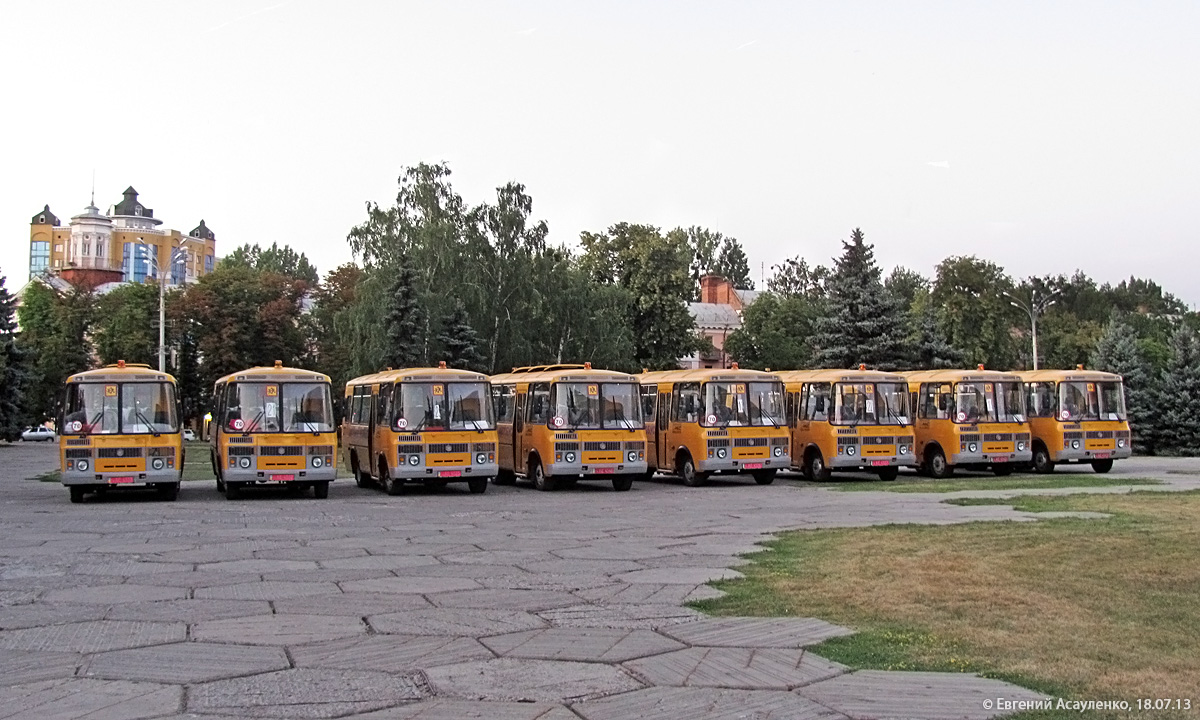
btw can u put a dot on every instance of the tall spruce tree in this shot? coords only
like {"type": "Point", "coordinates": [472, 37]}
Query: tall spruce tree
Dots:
{"type": "Point", "coordinates": [733, 265]}
{"type": "Point", "coordinates": [933, 351]}
{"type": "Point", "coordinates": [16, 369]}
{"type": "Point", "coordinates": [1120, 352]}
{"type": "Point", "coordinates": [863, 322]}
{"type": "Point", "coordinates": [1177, 430]}
{"type": "Point", "coordinates": [404, 321]}
{"type": "Point", "coordinates": [459, 341]}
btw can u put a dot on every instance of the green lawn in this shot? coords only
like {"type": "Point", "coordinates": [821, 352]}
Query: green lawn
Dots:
{"type": "Point", "coordinates": [913, 483]}
{"type": "Point", "coordinates": [197, 463]}
{"type": "Point", "coordinates": [1084, 609]}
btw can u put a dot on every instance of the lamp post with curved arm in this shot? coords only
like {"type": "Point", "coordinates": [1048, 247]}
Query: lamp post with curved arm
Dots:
{"type": "Point", "coordinates": [1035, 307]}
{"type": "Point", "coordinates": [150, 255]}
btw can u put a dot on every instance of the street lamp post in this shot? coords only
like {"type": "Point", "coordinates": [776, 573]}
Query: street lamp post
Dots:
{"type": "Point", "coordinates": [1035, 307]}
{"type": "Point", "coordinates": [178, 255]}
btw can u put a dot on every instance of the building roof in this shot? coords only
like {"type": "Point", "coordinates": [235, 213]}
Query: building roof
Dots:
{"type": "Point", "coordinates": [747, 296]}
{"type": "Point", "coordinates": [712, 316]}
{"type": "Point", "coordinates": [45, 217]}
{"type": "Point", "coordinates": [129, 205]}
{"type": "Point", "coordinates": [203, 232]}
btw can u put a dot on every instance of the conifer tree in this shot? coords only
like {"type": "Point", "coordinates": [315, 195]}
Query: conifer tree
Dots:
{"type": "Point", "coordinates": [733, 265]}
{"type": "Point", "coordinates": [1118, 351]}
{"type": "Point", "coordinates": [1177, 430]}
{"type": "Point", "coordinates": [459, 341]}
{"type": "Point", "coordinates": [404, 321]}
{"type": "Point", "coordinates": [863, 322]}
{"type": "Point", "coordinates": [15, 369]}
{"type": "Point", "coordinates": [933, 351]}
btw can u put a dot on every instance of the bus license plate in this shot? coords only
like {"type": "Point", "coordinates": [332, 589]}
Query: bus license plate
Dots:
{"type": "Point", "coordinates": [283, 478]}
{"type": "Point", "coordinates": [450, 473]}
{"type": "Point", "coordinates": [605, 471]}
{"type": "Point", "coordinates": [999, 459]}
{"type": "Point", "coordinates": [119, 480]}
{"type": "Point", "coordinates": [880, 463]}
{"type": "Point", "coordinates": [1101, 455]}
{"type": "Point", "coordinates": [752, 466]}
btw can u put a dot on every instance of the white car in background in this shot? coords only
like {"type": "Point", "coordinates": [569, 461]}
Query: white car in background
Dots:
{"type": "Point", "coordinates": [38, 433]}
{"type": "Point", "coordinates": [189, 435]}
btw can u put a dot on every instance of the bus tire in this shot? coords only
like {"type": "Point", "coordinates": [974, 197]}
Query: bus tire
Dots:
{"type": "Point", "coordinates": [939, 467]}
{"type": "Point", "coordinates": [687, 471]}
{"type": "Point", "coordinates": [1102, 466]}
{"type": "Point", "coordinates": [889, 474]}
{"type": "Point", "coordinates": [232, 490]}
{"type": "Point", "coordinates": [77, 492]}
{"type": "Point", "coordinates": [814, 467]}
{"type": "Point", "coordinates": [477, 485]}
{"type": "Point", "coordinates": [505, 477]}
{"type": "Point", "coordinates": [392, 486]}
{"type": "Point", "coordinates": [764, 477]}
{"type": "Point", "coordinates": [321, 489]}
{"type": "Point", "coordinates": [1042, 464]}
{"type": "Point", "coordinates": [168, 491]}
{"type": "Point", "coordinates": [621, 483]}
{"type": "Point", "coordinates": [1002, 470]}
{"type": "Point", "coordinates": [540, 480]}
{"type": "Point", "coordinates": [361, 479]}
{"type": "Point", "coordinates": [220, 484]}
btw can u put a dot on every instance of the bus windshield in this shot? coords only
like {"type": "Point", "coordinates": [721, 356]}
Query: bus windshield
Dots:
{"type": "Point", "coordinates": [593, 406]}
{"type": "Point", "coordinates": [741, 404]}
{"type": "Point", "coordinates": [121, 408]}
{"type": "Point", "coordinates": [1079, 400]}
{"type": "Point", "coordinates": [871, 404]}
{"type": "Point", "coordinates": [989, 402]}
{"type": "Point", "coordinates": [442, 406]}
{"type": "Point", "coordinates": [261, 407]}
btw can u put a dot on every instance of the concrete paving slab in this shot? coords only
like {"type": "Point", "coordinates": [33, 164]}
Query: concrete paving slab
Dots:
{"type": "Point", "coordinates": [19, 667]}
{"type": "Point", "coordinates": [755, 632]}
{"type": "Point", "coordinates": [629, 617]}
{"type": "Point", "coordinates": [354, 604]}
{"type": "Point", "coordinates": [496, 557]}
{"type": "Point", "coordinates": [581, 644]}
{"type": "Point", "coordinates": [523, 580]}
{"type": "Point", "coordinates": [462, 570]}
{"type": "Point", "coordinates": [305, 694]}
{"type": "Point", "coordinates": [309, 552]}
{"type": "Point", "coordinates": [190, 611]}
{"type": "Point", "coordinates": [614, 550]}
{"type": "Point", "coordinates": [8, 598]}
{"type": "Point", "coordinates": [389, 653]}
{"type": "Point", "coordinates": [411, 584]}
{"type": "Point", "coordinates": [195, 579]}
{"type": "Point", "coordinates": [267, 590]}
{"type": "Point", "coordinates": [933, 696]}
{"type": "Point", "coordinates": [440, 709]}
{"type": "Point", "coordinates": [91, 699]}
{"type": "Point", "coordinates": [633, 593]}
{"type": "Point", "coordinates": [679, 575]}
{"type": "Point", "coordinates": [504, 599]}
{"type": "Point", "coordinates": [744, 668]}
{"type": "Point", "coordinates": [44, 613]}
{"type": "Point", "coordinates": [529, 680]}
{"type": "Point", "coordinates": [128, 568]}
{"type": "Point", "coordinates": [184, 663]}
{"type": "Point", "coordinates": [325, 575]}
{"type": "Point", "coordinates": [257, 565]}
{"type": "Point", "coordinates": [116, 594]}
{"type": "Point", "coordinates": [592, 567]}
{"type": "Point", "coordinates": [93, 636]}
{"type": "Point", "coordinates": [378, 562]}
{"type": "Point", "coordinates": [278, 629]}
{"type": "Point", "coordinates": [707, 703]}
{"type": "Point", "coordinates": [450, 622]}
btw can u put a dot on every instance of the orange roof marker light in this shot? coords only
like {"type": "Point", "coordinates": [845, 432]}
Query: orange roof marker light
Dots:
{"type": "Point", "coordinates": [733, 366]}
{"type": "Point", "coordinates": [1079, 366]}
{"type": "Point", "coordinates": [587, 366]}
{"type": "Point", "coordinates": [120, 363]}
{"type": "Point", "coordinates": [441, 364]}
{"type": "Point", "coordinates": [862, 366]}
{"type": "Point", "coordinates": [278, 363]}
{"type": "Point", "coordinates": [980, 366]}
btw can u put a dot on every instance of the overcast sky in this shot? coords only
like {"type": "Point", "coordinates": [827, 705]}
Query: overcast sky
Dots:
{"type": "Point", "coordinates": [1045, 136]}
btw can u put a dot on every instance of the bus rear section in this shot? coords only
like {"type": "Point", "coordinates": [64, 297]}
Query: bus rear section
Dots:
{"type": "Point", "coordinates": [560, 424]}
{"type": "Point", "coordinates": [120, 430]}
{"type": "Point", "coordinates": [273, 427]}
{"type": "Point", "coordinates": [427, 426]}
{"type": "Point", "coordinates": [715, 421]}
{"type": "Point", "coordinates": [1077, 417]}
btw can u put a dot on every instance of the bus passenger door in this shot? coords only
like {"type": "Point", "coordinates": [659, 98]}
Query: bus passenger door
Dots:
{"type": "Point", "coordinates": [518, 434]}
{"type": "Point", "coordinates": [665, 461]}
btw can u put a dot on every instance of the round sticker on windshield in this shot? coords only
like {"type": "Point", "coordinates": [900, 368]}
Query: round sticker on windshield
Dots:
{"type": "Point", "coordinates": [962, 416]}
{"type": "Point", "coordinates": [401, 423]}
{"type": "Point", "coordinates": [558, 421]}
{"type": "Point", "coordinates": [238, 424]}
{"type": "Point", "coordinates": [1065, 415]}
{"type": "Point", "coordinates": [712, 419]}
{"type": "Point", "coordinates": [76, 426]}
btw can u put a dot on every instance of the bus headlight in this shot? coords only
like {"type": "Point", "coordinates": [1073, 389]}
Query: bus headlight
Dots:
{"type": "Point", "coordinates": [777, 452]}
{"type": "Point", "coordinates": [1121, 443]}
{"type": "Point", "coordinates": [157, 463]}
{"type": "Point", "coordinates": [317, 462]}
{"type": "Point", "coordinates": [570, 457]}
{"type": "Point", "coordinates": [1021, 445]}
{"type": "Point", "coordinates": [414, 459]}
{"type": "Point", "coordinates": [972, 448]}
{"type": "Point", "coordinates": [632, 456]}
{"type": "Point", "coordinates": [850, 449]}
{"type": "Point", "coordinates": [721, 453]}
{"type": "Point", "coordinates": [480, 459]}
{"type": "Point", "coordinates": [903, 449]}
{"type": "Point", "coordinates": [1074, 444]}
{"type": "Point", "coordinates": [81, 465]}
{"type": "Point", "coordinates": [244, 463]}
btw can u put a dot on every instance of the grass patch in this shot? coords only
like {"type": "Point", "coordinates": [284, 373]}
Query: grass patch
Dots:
{"type": "Point", "coordinates": [50, 476]}
{"type": "Point", "coordinates": [1075, 608]}
{"type": "Point", "coordinates": [912, 484]}
{"type": "Point", "coordinates": [197, 462]}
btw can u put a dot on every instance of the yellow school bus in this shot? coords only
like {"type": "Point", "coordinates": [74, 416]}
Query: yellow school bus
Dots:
{"type": "Point", "coordinates": [709, 421]}
{"type": "Point", "coordinates": [420, 425]}
{"type": "Point", "coordinates": [273, 426]}
{"type": "Point", "coordinates": [848, 420]}
{"type": "Point", "coordinates": [120, 429]}
{"type": "Point", "coordinates": [970, 419]}
{"type": "Point", "coordinates": [1076, 416]}
{"type": "Point", "coordinates": [562, 423]}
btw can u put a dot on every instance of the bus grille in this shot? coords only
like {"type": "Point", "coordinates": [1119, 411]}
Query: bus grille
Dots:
{"type": "Point", "coordinates": [566, 436]}
{"type": "Point", "coordinates": [997, 437]}
{"type": "Point", "coordinates": [239, 451]}
{"type": "Point", "coordinates": [320, 450]}
{"type": "Point", "coordinates": [780, 440]}
{"type": "Point", "coordinates": [281, 450]}
{"type": "Point", "coordinates": [878, 440]}
{"type": "Point", "coordinates": [565, 446]}
{"type": "Point", "coordinates": [968, 437]}
{"type": "Point", "coordinates": [79, 441]}
{"type": "Point", "coordinates": [718, 433]}
{"type": "Point", "coordinates": [908, 440]}
{"type": "Point", "coordinates": [1072, 436]}
{"type": "Point", "coordinates": [1022, 437]}
{"type": "Point", "coordinates": [749, 442]}
{"type": "Point", "coordinates": [411, 449]}
{"type": "Point", "coordinates": [484, 447]}
{"type": "Point", "coordinates": [635, 445]}
{"type": "Point", "coordinates": [601, 445]}
{"type": "Point", "coordinates": [1100, 434]}
{"type": "Point", "coordinates": [408, 438]}
{"type": "Point", "coordinates": [76, 453]}
{"type": "Point", "coordinates": [241, 440]}
{"type": "Point", "coordinates": [1122, 434]}
{"type": "Point", "coordinates": [847, 431]}
{"type": "Point", "coordinates": [718, 442]}
{"type": "Point", "coordinates": [161, 452]}
{"type": "Point", "coordinates": [848, 440]}
{"type": "Point", "coordinates": [448, 448]}
{"type": "Point", "coordinates": [119, 452]}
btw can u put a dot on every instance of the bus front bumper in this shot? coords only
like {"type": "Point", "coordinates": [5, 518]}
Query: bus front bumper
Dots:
{"type": "Point", "coordinates": [1087, 455]}
{"type": "Point", "coordinates": [140, 478]}
{"type": "Point", "coordinates": [279, 477]}
{"type": "Point", "coordinates": [595, 469]}
{"type": "Point", "coordinates": [867, 464]}
{"type": "Point", "coordinates": [444, 473]}
{"type": "Point", "coordinates": [991, 458]}
{"type": "Point", "coordinates": [775, 462]}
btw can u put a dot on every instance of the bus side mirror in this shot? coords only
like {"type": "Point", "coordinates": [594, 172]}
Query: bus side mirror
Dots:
{"type": "Point", "coordinates": [820, 405]}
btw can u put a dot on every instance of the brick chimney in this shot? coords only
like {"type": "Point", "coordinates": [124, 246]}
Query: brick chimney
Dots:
{"type": "Point", "coordinates": [716, 290]}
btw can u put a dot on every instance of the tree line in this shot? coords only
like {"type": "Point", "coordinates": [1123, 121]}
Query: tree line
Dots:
{"type": "Point", "coordinates": [435, 277]}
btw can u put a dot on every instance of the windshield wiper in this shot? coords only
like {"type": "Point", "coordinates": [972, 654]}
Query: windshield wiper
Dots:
{"type": "Point", "coordinates": [888, 406]}
{"type": "Point", "coordinates": [254, 423]}
{"type": "Point", "coordinates": [762, 415]}
{"type": "Point", "coordinates": [142, 416]}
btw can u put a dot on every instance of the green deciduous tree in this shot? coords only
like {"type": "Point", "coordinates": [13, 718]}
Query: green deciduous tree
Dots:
{"type": "Point", "coordinates": [54, 326]}
{"type": "Point", "coordinates": [331, 349]}
{"type": "Point", "coordinates": [1119, 351]}
{"type": "Point", "coordinates": [126, 326]}
{"type": "Point", "coordinates": [794, 278]}
{"type": "Point", "coordinates": [973, 312]}
{"type": "Point", "coordinates": [281, 260]}
{"type": "Point", "coordinates": [16, 369]}
{"type": "Point", "coordinates": [776, 333]}
{"type": "Point", "coordinates": [1177, 427]}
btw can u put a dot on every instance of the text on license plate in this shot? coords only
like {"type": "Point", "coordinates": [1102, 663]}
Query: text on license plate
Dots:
{"type": "Point", "coordinates": [752, 466]}
{"type": "Point", "coordinates": [605, 471]}
{"type": "Point", "coordinates": [999, 458]}
{"type": "Point", "coordinates": [283, 478]}
{"type": "Point", "coordinates": [119, 480]}
{"type": "Point", "coordinates": [450, 473]}
{"type": "Point", "coordinates": [880, 463]}
{"type": "Point", "coordinates": [1101, 455]}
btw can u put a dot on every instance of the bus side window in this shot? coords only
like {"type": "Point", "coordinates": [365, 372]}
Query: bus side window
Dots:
{"type": "Point", "coordinates": [383, 405]}
{"type": "Point", "coordinates": [649, 400]}
{"type": "Point", "coordinates": [687, 402]}
{"type": "Point", "coordinates": [664, 410]}
{"type": "Point", "coordinates": [539, 404]}
{"type": "Point", "coordinates": [503, 401]}
{"type": "Point", "coordinates": [817, 407]}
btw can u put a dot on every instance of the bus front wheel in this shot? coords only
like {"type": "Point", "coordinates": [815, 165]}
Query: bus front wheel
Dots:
{"type": "Point", "coordinates": [361, 479]}
{"type": "Point", "coordinates": [505, 477]}
{"type": "Point", "coordinates": [939, 469]}
{"type": "Point", "coordinates": [392, 486]}
{"type": "Point", "coordinates": [477, 485]}
{"type": "Point", "coordinates": [540, 481]}
{"type": "Point", "coordinates": [621, 483]}
{"type": "Point", "coordinates": [321, 489]}
{"type": "Point", "coordinates": [1002, 470]}
{"type": "Point", "coordinates": [232, 490]}
{"type": "Point", "coordinates": [889, 474]}
{"type": "Point", "coordinates": [814, 467]}
{"type": "Point", "coordinates": [76, 493]}
{"type": "Point", "coordinates": [168, 491]}
{"type": "Point", "coordinates": [1042, 464]}
{"type": "Point", "coordinates": [1102, 466]}
{"type": "Point", "coordinates": [687, 471]}
{"type": "Point", "coordinates": [764, 477]}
